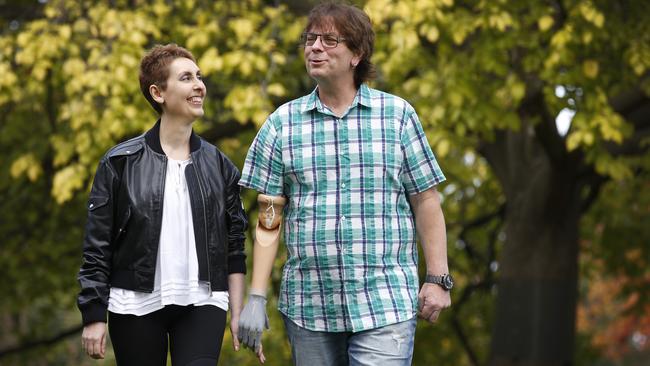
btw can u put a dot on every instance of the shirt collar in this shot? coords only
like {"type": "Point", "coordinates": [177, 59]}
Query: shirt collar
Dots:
{"type": "Point", "coordinates": [313, 101]}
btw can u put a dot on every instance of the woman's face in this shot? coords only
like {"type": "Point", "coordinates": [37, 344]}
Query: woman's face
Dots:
{"type": "Point", "coordinates": [185, 90]}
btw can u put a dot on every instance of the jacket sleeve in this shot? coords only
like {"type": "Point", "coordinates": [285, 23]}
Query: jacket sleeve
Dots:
{"type": "Point", "coordinates": [94, 274]}
{"type": "Point", "coordinates": [236, 220]}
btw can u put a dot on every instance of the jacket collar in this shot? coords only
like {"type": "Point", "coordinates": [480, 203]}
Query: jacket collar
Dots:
{"type": "Point", "coordinates": [152, 138]}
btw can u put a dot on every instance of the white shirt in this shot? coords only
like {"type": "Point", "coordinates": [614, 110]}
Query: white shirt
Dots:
{"type": "Point", "coordinates": [177, 268]}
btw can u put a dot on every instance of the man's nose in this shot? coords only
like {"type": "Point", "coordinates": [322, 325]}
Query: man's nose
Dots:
{"type": "Point", "coordinates": [318, 43]}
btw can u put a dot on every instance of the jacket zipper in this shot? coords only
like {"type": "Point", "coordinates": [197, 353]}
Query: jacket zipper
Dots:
{"type": "Point", "coordinates": [162, 206]}
{"type": "Point", "coordinates": [205, 225]}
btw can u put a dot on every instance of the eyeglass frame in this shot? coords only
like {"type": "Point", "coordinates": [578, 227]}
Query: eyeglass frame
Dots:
{"type": "Point", "coordinates": [303, 39]}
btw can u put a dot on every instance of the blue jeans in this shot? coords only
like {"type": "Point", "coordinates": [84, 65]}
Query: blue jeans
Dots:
{"type": "Point", "coordinates": [391, 345]}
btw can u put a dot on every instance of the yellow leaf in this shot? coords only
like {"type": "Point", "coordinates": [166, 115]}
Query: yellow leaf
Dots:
{"type": "Point", "coordinates": [210, 61]}
{"type": "Point", "coordinates": [518, 90]}
{"type": "Point", "coordinates": [438, 113]}
{"type": "Point", "coordinates": [66, 181]}
{"type": "Point", "coordinates": [39, 72]}
{"type": "Point", "coordinates": [591, 14]}
{"type": "Point", "coordinates": [137, 38]}
{"type": "Point", "coordinates": [7, 78]}
{"type": "Point", "coordinates": [73, 67]}
{"type": "Point", "coordinates": [243, 29]}
{"type": "Point", "coordinates": [545, 23]}
{"type": "Point", "coordinates": [431, 32]}
{"type": "Point", "coordinates": [599, 20]}
{"type": "Point", "coordinates": [500, 21]}
{"type": "Point", "coordinates": [65, 32]}
{"type": "Point", "coordinates": [456, 99]}
{"type": "Point", "coordinates": [573, 140]}
{"type": "Point", "coordinates": [198, 40]}
{"type": "Point", "coordinates": [50, 12]}
{"type": "Point", "coordinates": [458, 36]}
{"type": "Point", "coordinates": [279, 58]}
{"type": "Point", "coordinates": [442, 148]}
{"type": "Point", "coordinates": [561, 38]}
{"type": "Point", "coordinates": [590, 68]}
{"type": "Point", "coordinates": [611, 133]}
{"type": "Point", "coordinates": [27, 164]}
{"type": "Point", "coordinates": [276, 89]}
{"type": "Point", "coordinates": [80, 26]}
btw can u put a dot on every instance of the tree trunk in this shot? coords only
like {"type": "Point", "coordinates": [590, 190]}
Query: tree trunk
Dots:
{"type": "Point", "coordinates": [538, 267]}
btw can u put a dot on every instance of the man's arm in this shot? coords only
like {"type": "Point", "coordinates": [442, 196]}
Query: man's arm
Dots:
{"type": "Point", "coordinates": [267, 240]}
{"type": "Point", "coordinates": [430, 226]}
{"type": "Point", "coordinates": [253, 318]}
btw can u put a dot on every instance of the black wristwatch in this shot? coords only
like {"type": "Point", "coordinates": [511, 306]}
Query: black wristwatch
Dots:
{"type": "Point", "coordinates": [445, 281]}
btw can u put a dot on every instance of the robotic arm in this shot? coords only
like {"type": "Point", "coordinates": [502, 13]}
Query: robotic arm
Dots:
{"type": "Point", "coordinates": [253, 319]}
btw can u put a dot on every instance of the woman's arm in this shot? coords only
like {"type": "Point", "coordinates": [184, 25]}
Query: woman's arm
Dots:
{"type": "Point", "coordinates": [95, 269]}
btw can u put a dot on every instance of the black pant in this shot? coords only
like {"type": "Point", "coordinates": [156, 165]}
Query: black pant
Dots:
{"type": "Point", "coordinates": [195, 335]}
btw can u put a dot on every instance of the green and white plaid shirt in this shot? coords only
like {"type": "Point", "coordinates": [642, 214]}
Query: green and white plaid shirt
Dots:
{"type": "Point", "coordinates": [348, 226]}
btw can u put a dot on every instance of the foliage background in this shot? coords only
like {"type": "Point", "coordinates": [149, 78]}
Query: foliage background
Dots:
{"type": "Point", "coordinates": [69, 91]}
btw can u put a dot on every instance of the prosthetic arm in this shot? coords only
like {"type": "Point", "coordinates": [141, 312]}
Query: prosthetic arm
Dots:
{"type": "Point", "coordinates": [253, 319]}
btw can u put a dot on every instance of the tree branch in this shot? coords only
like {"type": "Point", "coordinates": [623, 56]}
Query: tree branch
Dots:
{"type": "Point", "coordinates": [41, 342]}
{"type": "Point", "coordinates": [226, 129]}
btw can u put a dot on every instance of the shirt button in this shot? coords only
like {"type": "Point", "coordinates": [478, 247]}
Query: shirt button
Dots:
{"type": "Point", "coordinates": [343, 185]}
{"type": "Point", "coordinates": [342, 218]}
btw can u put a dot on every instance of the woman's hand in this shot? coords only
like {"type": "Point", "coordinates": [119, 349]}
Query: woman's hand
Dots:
{"type": "Point", "coordinates": [93, 340]}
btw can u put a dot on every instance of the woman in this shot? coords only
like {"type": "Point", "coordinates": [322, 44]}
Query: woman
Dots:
{"type": "Point", "coordinates": [163, 252]}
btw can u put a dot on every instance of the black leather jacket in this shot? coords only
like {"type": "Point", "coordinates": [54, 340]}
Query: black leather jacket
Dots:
{"type": "Point", "coordinates": [125, 213]}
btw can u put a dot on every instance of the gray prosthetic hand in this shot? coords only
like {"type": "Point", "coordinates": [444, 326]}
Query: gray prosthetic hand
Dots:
{"type": "Point", "coordinates": [253, 321]}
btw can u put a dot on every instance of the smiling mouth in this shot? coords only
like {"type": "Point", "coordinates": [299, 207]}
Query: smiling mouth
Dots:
{"type": "Point", "coordinates": [195, 100]}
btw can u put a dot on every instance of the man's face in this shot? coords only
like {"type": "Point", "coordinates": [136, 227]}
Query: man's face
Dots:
{"type": "Point", "coordinates": [328, 63]}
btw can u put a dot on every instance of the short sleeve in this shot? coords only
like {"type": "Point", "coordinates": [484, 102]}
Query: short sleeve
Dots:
{"type": "Point", "coordinates": [420, 170]}
{"type": "Point", "coordinates": [263, 169]}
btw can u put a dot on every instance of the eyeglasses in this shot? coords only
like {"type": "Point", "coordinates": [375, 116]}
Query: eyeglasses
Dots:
{"type": "Point", "coordinates": [328, 40]}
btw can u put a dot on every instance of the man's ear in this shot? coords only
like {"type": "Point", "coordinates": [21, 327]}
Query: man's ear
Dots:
{"type": "Point", "coordinates": [156, 93]}
{"type": "Point", "coordinates": [355, 60]}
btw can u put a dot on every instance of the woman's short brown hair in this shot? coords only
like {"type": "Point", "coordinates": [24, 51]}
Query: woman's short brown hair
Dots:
{"type": "Point", "coordinates": [154, 68]}
{"type": "Point", "coordinates": [355, 26]}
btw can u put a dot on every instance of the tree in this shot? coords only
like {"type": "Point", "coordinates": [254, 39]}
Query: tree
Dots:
{"type": "Point", "coordinates": [491, 77]}
{"type": "Point", "coordinates": [69, 90]}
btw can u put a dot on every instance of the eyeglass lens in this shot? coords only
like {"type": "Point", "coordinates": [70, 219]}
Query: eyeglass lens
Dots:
{"type": "Point", "coordinates": [328, 40]}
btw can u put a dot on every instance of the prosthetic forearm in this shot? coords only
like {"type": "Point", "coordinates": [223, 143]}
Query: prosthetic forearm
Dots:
{"type": "Point", "coordinates": [253, 319]}
{"type": "Point", "coordinates": [267, 240]}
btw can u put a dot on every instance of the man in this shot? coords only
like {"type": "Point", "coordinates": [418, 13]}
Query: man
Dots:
{"type": "Point", "coordinates": [358, 177]}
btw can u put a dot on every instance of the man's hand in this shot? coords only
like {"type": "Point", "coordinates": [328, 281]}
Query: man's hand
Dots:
{"type": "Point", "coordinates": [93, 340]}
{"type": "Point", "coordinates": [252, 322]}
{"type": "Point", "coordinates": [431, 300]}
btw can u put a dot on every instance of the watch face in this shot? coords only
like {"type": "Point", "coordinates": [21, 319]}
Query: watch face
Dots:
{"type": "Point", "coordinates": [447, 282]}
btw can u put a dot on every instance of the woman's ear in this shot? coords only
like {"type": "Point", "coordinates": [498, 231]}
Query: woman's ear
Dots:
{"type": "Point", "coordinates": [156, 93]}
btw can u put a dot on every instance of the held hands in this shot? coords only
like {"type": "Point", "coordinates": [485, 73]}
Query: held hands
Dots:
{"type": "Point", "coordinates": [431, 300]}
{"type": "Point", "coordinates": [252, 322]}
{"type": "Point", "coordinates": [93, 340]}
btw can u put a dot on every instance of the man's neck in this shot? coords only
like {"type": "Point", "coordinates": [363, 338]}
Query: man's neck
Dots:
{"type": "Point", "coordinates": [337, 97]}
{"type": "Point", "coordinates": [175, 138]}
